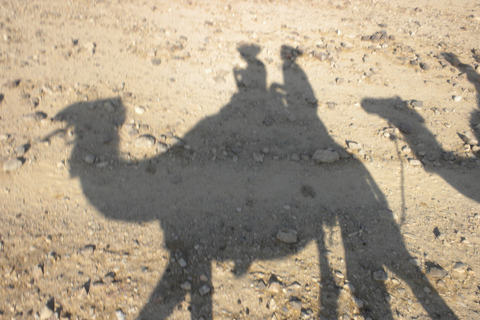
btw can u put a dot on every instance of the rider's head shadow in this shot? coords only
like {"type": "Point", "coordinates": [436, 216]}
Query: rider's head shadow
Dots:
{"type": "Point", "coordinates": [254, 75]}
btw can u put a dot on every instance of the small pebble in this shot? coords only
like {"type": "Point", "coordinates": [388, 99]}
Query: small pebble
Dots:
{"type": "Point", "coordinates": [325, 156]}
{"type": "Point", "coordinates": [457, 98]}
{"type": "Point", "coordinates": [12, 165]}
{"type": "Point", "coordinates": [459, 267]}
{"type": "Point", "coordinates": [274, 286]}
{"type": "Point", "coordinates": [20, 150]}
{"type": "Point", "coordinates": [46, 313]}
{"type": "Point", "coordinates": [415, 262]}
{"type": "Point", "coordinates": [354, 145]}
{"type": "Point", "coordinates": [287, 236]}
{"type": "Point", "coordinates": [358, 302]}
{"type": "Point", "coordinates": [182, 262]}
{"type": "Point", "coordinates": [425, 66]}
{"type": "Point", "coordinates": [295, 303]}
{"type": "Point", "coordinates": [204, 290]}
{"type": "Point", "coordinates": [258, 157]}
{"type": "Point", "coordinates": [437, 273]}
{"type": "Point", "coordinates": [416, 104]}
{"type": "Point", "coordinates": [145, 141]}
{"type": "Point", "coordinates": [120, 315]}
{"type": "Point", "coordinates": [187, 286]}
{"type": "Point", "coordinates": [380, 275]}
{"type": "Point", "coordinates": [449, 156]}
{"type": "Point", "coordinates": [90, 158]}
{"type": "Point", "coordinates": [140, 110]}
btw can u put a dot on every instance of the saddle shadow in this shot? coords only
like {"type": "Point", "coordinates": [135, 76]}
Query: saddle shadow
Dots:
{"type": "Point", "coordinates": [215, 190]}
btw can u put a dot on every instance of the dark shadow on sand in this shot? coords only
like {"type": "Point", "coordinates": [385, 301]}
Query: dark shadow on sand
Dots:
{"type": "Point", "coordinates": [193, 193]}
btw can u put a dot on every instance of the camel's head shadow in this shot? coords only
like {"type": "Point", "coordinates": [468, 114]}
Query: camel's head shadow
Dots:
{"type": "Point", "coordinates": [92, 129]}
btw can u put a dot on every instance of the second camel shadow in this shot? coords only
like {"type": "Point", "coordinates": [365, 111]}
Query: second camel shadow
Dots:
{"type": "Point", "coordinates": [224, 190]}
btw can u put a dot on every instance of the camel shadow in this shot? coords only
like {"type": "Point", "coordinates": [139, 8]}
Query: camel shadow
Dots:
{"type": "Point", "coordinates": [215, 190]}
{"type": "Point", "coordinates": [458, 168]}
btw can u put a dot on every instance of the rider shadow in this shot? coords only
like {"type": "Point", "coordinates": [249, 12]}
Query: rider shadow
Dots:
{"type": "Point", "coordinates": [215, 191]}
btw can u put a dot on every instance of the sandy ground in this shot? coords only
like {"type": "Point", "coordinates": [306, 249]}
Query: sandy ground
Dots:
{"type": "Point", "coordinates": [239, 159]}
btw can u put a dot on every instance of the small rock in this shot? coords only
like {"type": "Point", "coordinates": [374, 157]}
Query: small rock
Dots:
{"type": "Point", "coordinates": [295, 157]}
{"type": "Point", "coordinates": [46, 313]}
{"type": "Point", "coordinates": [457, 98]}
{"type": "Point", "coordinates": [354, 145]}
{"type": "Point", "coordinates": [145, 141]}
{"type": "Point", "coordinates": [406, 149]}
{"type": "Point", "coordinates": [469, 138]}
{"type": "Point", "coordinates": [37, 272]}
{"type": "Point", "coordinates": [203, 278]}
{"type": "Point", "coordinates": [261, 285]}
{"type": "Point", "coordinates": [449, 156]}
{"type": "Point", "coordinates": [295, 286]}
{"type": "Point", "coordinates": [140, 110]}
{"type": "Point", "coordinates": [20, 150]}
{"type": "Point", "coordinates": [331, 105]}
{"type": "Point", "coordinates": [406, 128]}
{"type": "Point", "coordinates": [415, 262]}
{"type": "Point", "coordinates": [415, 162]}
{"type": "Point", "coordinates": [156, 62]}
{"type": "Point", "coordinates": [182, 262]}
{"type": "Point", "coordinates": [287, 236]}
{"type": "Point", "coordinates": [321, 56]}
{"type": "Point", "coordinates": [258, 157]}
{"type": "Point", "coordinates": [13, 83]}
{"type": "Point", "coordinates": [459, 267]}
{"type": "Point", "coordinates": [161, 148]}
{"type": "Point", "coordinates": [358, 302]}
{"type": "Point", "coordinates": [380, 275]}
{"type": "Point", "coordinates": [325, 156]}
{"type": "Point", "coordinates": [37, 116]}
{"type": "Point", "coordinates": [308, 314]}
{"type": "Point", "coordinates": [90, 158]}
{"type": "Point", "coordinates": [12, 165]}
{"type": "Point", "coordinates": [425, 66]}
{"type": "Point", "coordinates": [187, 286]}
{"type": "Point", "coordinates": [416, 104]}
{"type": "Point", "coordinates": [295, 303]}
{"type": "Point", "coordinates": [308, 191]}
{"type": "Point", "coordinates": [441, 283]}
{"type": "Point", "coordinates": [120, 315]}
{"type": "Point", "coordinates": [204, 290]}
{"type": "Point", "coordinates": [436, 273]}
{"type": "Point", "coordinates": [339, 80]}
{"type": "Point", "coordinates": [90, 46]}
{"type": "Point", "coordinates": [274, 286]}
